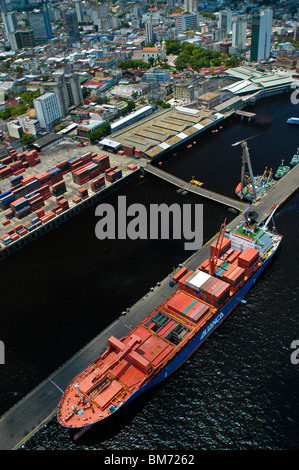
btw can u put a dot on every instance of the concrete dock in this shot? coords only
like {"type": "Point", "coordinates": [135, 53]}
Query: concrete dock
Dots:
{"type": "Point", "coordinates": [25, 418]}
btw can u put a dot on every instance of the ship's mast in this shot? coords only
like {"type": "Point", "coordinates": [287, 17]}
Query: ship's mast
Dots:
{"type": "Point", "coordinates": [246, 159]}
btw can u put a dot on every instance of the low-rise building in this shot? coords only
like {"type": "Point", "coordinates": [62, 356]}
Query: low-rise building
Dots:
{"type": "Point", "coordinates": [30, 126]}
{"type": "Point", "coordinates": [131, 118]}
{"type": "Point", "coordinates": [157, 75]}
{"type": "Point", "coordinates": [209, 100]}
{"type": "Point", "coordinates": [88, 127]}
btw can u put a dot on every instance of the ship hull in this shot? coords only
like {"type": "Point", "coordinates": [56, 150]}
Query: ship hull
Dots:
{"type": "Point", "coordinates": [195, 343]}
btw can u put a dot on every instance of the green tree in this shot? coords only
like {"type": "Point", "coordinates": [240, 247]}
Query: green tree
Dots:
{"type": "Point", "coordinates": [86, 92]}
{"type": "Point", "coordinates": [105, 129]}
{"type": "Point", "coordinates": [134, 64]}
{"type": "Point", "coordinates": [173, 47]}
{"type": "Point", "coordinates": [27, 139]}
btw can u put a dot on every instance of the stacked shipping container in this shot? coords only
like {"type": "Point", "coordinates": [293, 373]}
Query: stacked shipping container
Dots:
{"type": "Point", "coordinates": [129, 150]}
{"type": "Point", "coordinates": [88, 171]}
{"type": "Point", "coordinates": [186, 306]}
{"type": "Point", "coordinates": [97, 184]}
{"type": "Point", "coordinates": [249, 260]}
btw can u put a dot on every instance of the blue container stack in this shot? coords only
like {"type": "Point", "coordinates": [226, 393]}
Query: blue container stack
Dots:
{"type": "Point", "coordinates": [6, 198]}
{"type": "Point", "coordinates": [21, 207]}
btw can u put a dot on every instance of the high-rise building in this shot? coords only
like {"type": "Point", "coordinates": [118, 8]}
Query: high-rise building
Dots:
{"type": "Point", "coordinates": [47, 110]}
{"type": "Point", "coordinates": [72, 26]}
{"type": "Point", "coordinates": [191, 6]}
{"type": "Point", "coordinates": [10, 26]}
{"type": "Point", "coordinates": [103, 20]}
{"type": "Point", "coordinates": [24, 38]}
{"type": "Point", "coordinates": [224, 22]}
{"type": "Point", "coordinates": [79, 10]}
{"type": "Point", "coordinates": [138, 11]}
{"type": "Point", "coordinates": [10, 22]}
{"type": "Point", "coordinates": [67, 89]}
{"type": "Point", "coordinates": [261, 35]}
{"type": "Point", "coordinates": [239, 35]}
{"type": "Point", "coordinates": [149, 35]}
{"type": "Point", "coordinates": [186, 22]}
{"type": "Point", "coordinates": [40, 24]}
{"type": "Point", "coordinates": [74, 90]}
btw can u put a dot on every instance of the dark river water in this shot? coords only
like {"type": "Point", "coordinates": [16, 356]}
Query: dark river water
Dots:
{"type": "Point", "coordinates": [240, 390]}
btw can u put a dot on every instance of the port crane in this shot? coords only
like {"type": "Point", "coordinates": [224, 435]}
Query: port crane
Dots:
{"type": "Point", "coordinates": [215, 256]}
{"type": "Point", "coordinates": [272, 212]}
{"type": "Point", "coordinates": [245, 178]}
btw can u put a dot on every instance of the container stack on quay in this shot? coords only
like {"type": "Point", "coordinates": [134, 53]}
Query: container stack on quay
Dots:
{"type": "Point", "coordinates": [129, 150]}
{"type": "Point", "coordinates": [97, 184]}
{"type": "Point", "coordinates": [113, 174]}
{"type": "Point", "coordinates": [83, 193]}
{"type": "Point", "coordinates": [16, 163]}
{"type": "Point", "coordinates": [58, 188]}
{"type": "Point", "coordinates": [51, 191]}
{"type": "Point", "coordinates": [86, 169]}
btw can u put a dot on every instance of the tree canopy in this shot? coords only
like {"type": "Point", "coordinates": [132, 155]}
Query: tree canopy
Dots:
{"type": "Point", "coordinates": [197, 58]}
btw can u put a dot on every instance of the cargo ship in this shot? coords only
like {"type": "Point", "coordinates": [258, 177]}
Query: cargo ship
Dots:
{"type": "Point", "coordinates": [169, 335]}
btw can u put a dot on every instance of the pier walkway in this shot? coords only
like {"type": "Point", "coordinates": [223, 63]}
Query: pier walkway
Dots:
{"type": "Point", "coordinates": [227, 201]}
{"type": "Point", "coordinates": [24, 419]}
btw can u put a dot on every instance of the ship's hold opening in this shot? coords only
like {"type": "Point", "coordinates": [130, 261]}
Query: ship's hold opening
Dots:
{"type": "Point", "coordinates": [159, 320]}
{"type": "Point", "coordinates": [99, 387]}
{"type": "Point", "coordinates": [178, 334]}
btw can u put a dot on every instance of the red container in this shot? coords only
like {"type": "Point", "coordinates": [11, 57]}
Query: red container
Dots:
{"type": "Point", "coordinates": [14, 236]}
{"type": "Point", "coordinates": [18, 172]}
{"type": "Point", "coordinates": [16, 165]}
{"type": "Point", "coordinates": [40, 212]}
{"type": "Point", "coordinates": [225, 245]}
{"type": "Point", "coordinates": [233, 257]}
{"type": "Point", "coordinates": [179, 274]}
{"type": "Point", "coordinates": [183, 279]}
{"type": "Point", "coordinates": [132, 167]}
{"type": "Point", "coordinates": [248, 257]}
